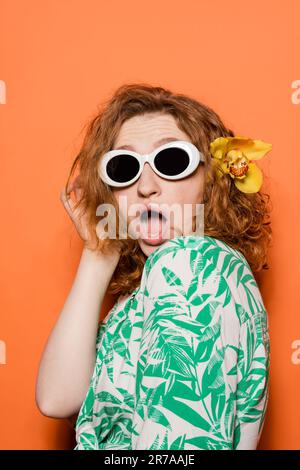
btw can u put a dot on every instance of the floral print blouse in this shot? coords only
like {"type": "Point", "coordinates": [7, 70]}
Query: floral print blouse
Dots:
{"type": "Point", "coordinates": [183, 361]}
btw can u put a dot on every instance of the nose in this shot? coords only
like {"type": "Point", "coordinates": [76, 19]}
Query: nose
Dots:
{"type": "Point", "coordinates": [148, 182]}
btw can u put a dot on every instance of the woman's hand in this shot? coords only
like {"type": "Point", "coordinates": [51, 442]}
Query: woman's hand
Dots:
{"type": "Point", "coordinates": [79, 219]}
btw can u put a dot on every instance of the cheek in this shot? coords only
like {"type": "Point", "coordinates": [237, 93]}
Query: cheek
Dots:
{"type": "Point", "coordinates": [125, 197]}
{"type": "Point", "coordinates": [196, 185]}
{"type": "Point", "coordinates": [123, 194]}
{"type": "Point", "coordinates": [188, 190]}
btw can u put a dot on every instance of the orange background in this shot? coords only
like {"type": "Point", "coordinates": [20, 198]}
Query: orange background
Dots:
{"type": "Point", "coordinates": [59, 60]}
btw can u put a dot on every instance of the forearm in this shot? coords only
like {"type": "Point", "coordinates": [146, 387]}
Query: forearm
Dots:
{"type": "Point", "coordinates": [68, 359]}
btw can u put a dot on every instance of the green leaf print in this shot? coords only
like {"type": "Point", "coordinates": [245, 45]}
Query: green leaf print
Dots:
{"type": "Point", "coordinates": [208, 443]}
{"type": "Point", "coordinates": [207, 312]}
{"type": "Point", "coordinates": [158, 417]}
{"type": "Point", "coordinates": [186, 413]}
{"type": "Point", "coordinates": [212, 379]}
{"type": "Point", "coordinates": [171, 277]}
{"type": "Point", "coordinates": [224, 288]}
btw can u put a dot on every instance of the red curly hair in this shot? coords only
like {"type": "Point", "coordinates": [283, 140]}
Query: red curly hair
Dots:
{"type": "Point", "coordinates": [246, 226]}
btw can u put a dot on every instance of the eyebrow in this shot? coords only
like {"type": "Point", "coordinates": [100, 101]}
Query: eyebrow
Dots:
{"type": "Point", "coordinates": [165, 140]}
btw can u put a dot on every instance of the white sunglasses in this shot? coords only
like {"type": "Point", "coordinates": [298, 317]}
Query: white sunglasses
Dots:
{"type": "Point", "coordinates": [172, 161]}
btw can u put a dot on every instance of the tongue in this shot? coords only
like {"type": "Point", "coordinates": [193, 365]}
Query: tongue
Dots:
{"type": "Point", "coordinates": [151, 228]}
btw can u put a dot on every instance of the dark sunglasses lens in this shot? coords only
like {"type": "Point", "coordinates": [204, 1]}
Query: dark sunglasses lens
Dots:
{"type": "Point", "coordinates": [172, 161]}
{"type": "Point", "coordinates": [122, 168]}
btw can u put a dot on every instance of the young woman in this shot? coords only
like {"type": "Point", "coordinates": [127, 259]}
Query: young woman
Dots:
{"type": "Point", "coordinates": [182, 358]}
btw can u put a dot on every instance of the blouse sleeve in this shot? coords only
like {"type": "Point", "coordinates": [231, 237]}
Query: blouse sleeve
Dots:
{"type": "Point", "coordinates": [204, 351]}
{"type": "Point", "coordinates": [253, 381]}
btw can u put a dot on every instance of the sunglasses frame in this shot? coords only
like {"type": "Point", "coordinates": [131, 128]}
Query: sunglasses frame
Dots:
{"type": "Point", "coordinates": [194, 154]}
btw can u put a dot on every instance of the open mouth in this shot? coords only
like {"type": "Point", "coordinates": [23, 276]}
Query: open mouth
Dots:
{"type": "Point", "coordinates": [152, 224]}
{"type": "Point", "coordinates": [152, 214]}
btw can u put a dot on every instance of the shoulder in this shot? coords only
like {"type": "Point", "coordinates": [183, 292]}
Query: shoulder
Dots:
{"type": "Point", "coordinates": [208, 264]}
{"type": "Point", "coordinates": [198, 253]}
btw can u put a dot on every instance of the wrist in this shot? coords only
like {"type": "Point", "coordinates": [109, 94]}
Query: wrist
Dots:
{"type": "Point", "coordinates": [97, 257]}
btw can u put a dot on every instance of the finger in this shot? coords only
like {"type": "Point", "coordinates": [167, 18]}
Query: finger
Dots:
{"type": "Point", "coordinates": [78, 193]}
{"type": "Point", "coordinates": [77, 182]}
{"type": "Point", "coordinates": [76, 187]}
{"type": "Point", "coordinates": [70, 187]}
{"type": "Point", "coordinates": [67, 202]}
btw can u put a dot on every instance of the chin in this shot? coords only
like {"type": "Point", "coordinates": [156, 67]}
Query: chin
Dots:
{"type": "Point", "coordinates": [148, 249]}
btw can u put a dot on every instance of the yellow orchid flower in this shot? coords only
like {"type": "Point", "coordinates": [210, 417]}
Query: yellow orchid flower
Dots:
{"type": "Point", "coordinates": [234, 156]}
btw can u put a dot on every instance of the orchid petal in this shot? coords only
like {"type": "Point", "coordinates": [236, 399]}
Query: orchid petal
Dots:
{"type": "Point", "coordinates": [218, 147]}
{"type": "Point", "coordinates": [252, 182]}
